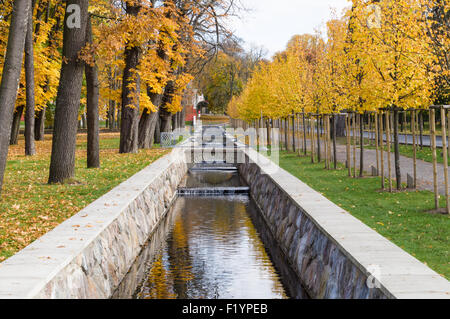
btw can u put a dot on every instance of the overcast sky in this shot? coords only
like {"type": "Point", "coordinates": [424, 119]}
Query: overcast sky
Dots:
{"type": "Point", "coordinates": [272, 23]}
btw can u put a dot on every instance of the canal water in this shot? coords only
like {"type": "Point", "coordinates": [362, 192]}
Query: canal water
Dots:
{"type": "Point", "coordinates": [212, 251]}
{"type": "Point", "coordinates": [211, 246]}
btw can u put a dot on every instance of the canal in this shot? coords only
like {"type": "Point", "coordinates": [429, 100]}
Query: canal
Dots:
{"type": "Point", "coordinates": [212, 244]}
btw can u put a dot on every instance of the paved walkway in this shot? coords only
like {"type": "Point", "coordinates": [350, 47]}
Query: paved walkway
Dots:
{"type": "Point", "coordinates": [424, 169]}
{"type": "Point", "coordinates": [408, 138]}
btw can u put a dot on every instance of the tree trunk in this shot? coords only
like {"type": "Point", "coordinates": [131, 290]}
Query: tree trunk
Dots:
{"type": "Point", "coordinates": [111, 115]}
{"type": "Point", "coordinates": [361, 145]}
{"type": "Point", "coordinates": [421, 129]}
{"type": "Point", "coordinates": [62, 164]}
{"type": "Point", "coordinates": [92, 88]}
{"type": "Point", "coordinates": [319, 157]}
{"type": "Point", "coordinates": [147, 126]}
{"type": "Point", "coordinates": [335, 117]}
{"type": "Point", "coordinates": [11, 76]}
{"type": "Point", "coordinates": [174, 121]}
{"type": "Point", "coordinates": [398, 175]}
{"type": "Point", "coordinates": [340, 125]}
{"type": "Point", "coordinates": [30, 148]}
{"type": "Point", "coordinates": [165, 115]}
{"type": "Point", "coordinates": [166, 122]}
{"type": "Point", "coordinates": [293, 133]}
{"type": "Point", "coordinates": [158, 129]}
{"type": "Point", "coordinates": [304, 134]}
{"type": "Point", "coordinates": [130, 96]}
{"type": "Point", "coordinates": [148, 123]}
{"type": "Point", "coordinates": [39, 125]}
{"type": "Point", "coordinates": [183, 118]}
{"type": "Point", "coordinates": [15, 128]}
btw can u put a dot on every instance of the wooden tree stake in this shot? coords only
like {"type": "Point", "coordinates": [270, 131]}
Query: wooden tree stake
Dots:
{"type": "Point", "coordinates": [413, 121]}
{"type": "Point", "coordinates": [433, 149]}
{"type": "Point", "coordinates": [381, 140]}
{"type": "Point", "coordinates": [445, 155]}
{"type": "Point", "coordinates": [388, 142]}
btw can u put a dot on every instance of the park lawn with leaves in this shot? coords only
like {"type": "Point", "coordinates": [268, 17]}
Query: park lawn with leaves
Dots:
{"type": "Point", "coordinates": [30, 207]}
{"type": "Point", "coordinates": [400, 217]}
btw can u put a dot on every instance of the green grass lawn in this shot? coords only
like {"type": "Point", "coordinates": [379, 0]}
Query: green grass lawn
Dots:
{"type": "Point", "coordinates": [424, 154]}
{"type": "Point", "coordinates": [400, 217]}
{"type": "Point", "coordinates": [30, 207]}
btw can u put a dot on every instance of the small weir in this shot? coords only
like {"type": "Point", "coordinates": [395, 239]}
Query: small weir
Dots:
{"type": "Point", "coordinates": [213, 243]}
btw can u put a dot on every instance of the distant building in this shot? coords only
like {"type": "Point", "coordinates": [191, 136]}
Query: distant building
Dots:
{"type": "Point", "coordinates": [190, 100]}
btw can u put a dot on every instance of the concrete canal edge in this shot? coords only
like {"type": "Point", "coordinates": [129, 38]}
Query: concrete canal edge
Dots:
{"type": "Point", "coordinates": [334, 254]}
{"type": "Point", "coordinates": [88, 255]}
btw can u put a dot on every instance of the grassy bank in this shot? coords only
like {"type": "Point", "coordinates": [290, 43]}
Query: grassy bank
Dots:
{"type": "Point", "coordinates": [30, 207]}
{"type": "Point", "coordinates": [398, 217]}
{"type": "Point", "coordinates": [424, 154]}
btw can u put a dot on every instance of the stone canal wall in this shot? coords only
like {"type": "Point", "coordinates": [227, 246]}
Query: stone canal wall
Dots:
{"type": "Point", "coordinates": [334, 254]}
{"type": "Point", "coordinates": [89, 254]}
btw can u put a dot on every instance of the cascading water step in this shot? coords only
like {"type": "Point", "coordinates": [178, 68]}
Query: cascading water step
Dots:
{"type": "Point", "coordinates": [214, 168]}
{"type": "Point", "coordinates": [217, 191]}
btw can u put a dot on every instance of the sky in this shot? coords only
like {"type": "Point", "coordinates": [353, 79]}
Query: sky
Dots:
{"type": "Point", "coordinates": [272, 23]}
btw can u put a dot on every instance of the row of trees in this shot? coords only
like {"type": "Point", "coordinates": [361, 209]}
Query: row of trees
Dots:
{"type": "Point", "coordinates": [128, 61]}
{"type": "Point", "coordinates": [380, 56]}
{"type": "Point", "coordinates": [225, 75]}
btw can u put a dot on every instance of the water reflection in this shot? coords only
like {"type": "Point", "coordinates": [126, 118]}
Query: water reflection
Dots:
{"type": "Point", "coordinates": [212, 250]}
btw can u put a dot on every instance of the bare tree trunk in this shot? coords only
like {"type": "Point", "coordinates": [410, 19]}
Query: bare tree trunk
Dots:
{"type": "Point", "coordinates": [348, 148]}
{"type": "Point", "coordinates": [312, 140]}
{"type": "Point", "coordinates": [413, 122]}
{"type": "Point", "coordinates": [62, 164]}
{"type": "Point", "coordinates": [445, 155]}
{"type": "Point", "coordinates": [15, 128]}
{"type": "Point", "coordinates": [319, 156]}
{"type": "Point", "coordinates": [92, 87]}
{"type": "Point", "coordinates": [39, 125]}
{"type": "Point", "coordinates": [286, 133]}
{"type": "Point", "coordinates": [11, 76]}
{"type": "Point", "coordinates": [148, 123]}
{"type": "Point", "coordinates": [421, 128]}
{"type": "Point", "coordinates": [293, 133]}
{"type": "Point", "coordinates": [398, 175]}
{"type": "Point", "coordinates": [361, 145]}
{"type": "Point", "coordinates": [335, 117]}
{"type": "Point", "coordinates": [433, 149]}
{"type": "Point", "coordinates": [158, 130]}
{"type": "Point", "coordinates": [388, 143]}
{"type": "Point", "coordinates": [304, 134]}
{"type": "Point", "coordinates": [354, 144]}
{"type": "Point", "coordinates": [165, 115]}
{"type": "Point", "coordinates": [174, 121]}
{"type": "Point", "coordinates": [130, 96]}
{"type": "Point", "coordinates": [30, 148]}
{"type": "Point", "coordinates": [381, 141]}
{"type": "Point", "coordinates": [377, 142]}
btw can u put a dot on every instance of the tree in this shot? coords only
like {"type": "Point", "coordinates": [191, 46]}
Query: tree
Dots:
{"type": "Point", "coordinates": [62, 163]}
{"type": "Point", "coordinates": [130, 91]}
{"type": "Point", "coordinates": [92, 87]}
{"type": "Point", "coordinates": [11, 76]}
{"type": "Point", "coordinates": [399, 58]}
{"type": "Point", "coordinates": [30, 92]}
